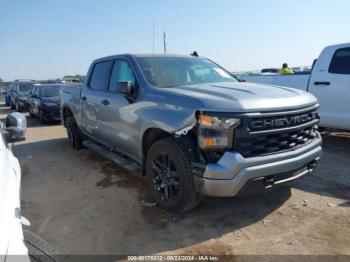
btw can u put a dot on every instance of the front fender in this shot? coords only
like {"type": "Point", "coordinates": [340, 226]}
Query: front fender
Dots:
{"type": "Point", "coordinates": [167, 118]}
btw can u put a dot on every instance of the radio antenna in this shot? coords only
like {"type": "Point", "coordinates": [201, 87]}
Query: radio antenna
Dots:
{"type": "Point", "coordinates": [164, 42]}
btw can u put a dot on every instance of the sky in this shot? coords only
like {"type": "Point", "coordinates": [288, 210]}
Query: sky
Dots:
{"type": "Point", "coordinates": [42, 39]}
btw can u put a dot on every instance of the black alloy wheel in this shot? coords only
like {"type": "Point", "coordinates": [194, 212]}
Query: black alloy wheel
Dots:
{"type": "Point", "coordinates": [170, 177]}
{"type": "Point", "coordinates": [165, 177]}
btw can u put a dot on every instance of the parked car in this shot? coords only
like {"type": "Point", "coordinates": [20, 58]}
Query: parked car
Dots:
{"type": "Point", "coordinates": [16, 244]}
{"type": "Point", "coordinates": [11, 237]}
{"type": "Point", "coordinates": [45, 102]}
{"type": "Point", "coordinates": [191, 127]}
{"type": "Point", "coordinates": [19, 93]}
{"type": "Point", "coordinates": [329, 83]}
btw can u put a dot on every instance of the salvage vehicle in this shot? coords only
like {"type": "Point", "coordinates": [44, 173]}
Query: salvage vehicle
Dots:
{"type": "Point", "coordinates": [16, 244]}
{"type": "Point", "coordinates": [45, 102]}
{"type": "Point", "coordinates": [19, 94]}
{"type": "Point", "coordinates": [329, 82]}
{"type": "Point", "coordinates": [191, 127]}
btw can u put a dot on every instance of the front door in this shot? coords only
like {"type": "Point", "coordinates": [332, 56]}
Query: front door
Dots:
{"type": "Point", "coordinates": [119, 120]}
{"type": "Point", "coordinates": [35, 101]}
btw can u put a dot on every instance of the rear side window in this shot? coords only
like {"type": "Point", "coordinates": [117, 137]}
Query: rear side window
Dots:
{"type": "Point", "coordinates": [100, 75]}
{"type": "Point", "coordinates": [340, 63]}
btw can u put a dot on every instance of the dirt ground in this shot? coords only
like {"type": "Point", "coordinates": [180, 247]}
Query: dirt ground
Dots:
{"type": "Point", "coordinates": [84, 204]}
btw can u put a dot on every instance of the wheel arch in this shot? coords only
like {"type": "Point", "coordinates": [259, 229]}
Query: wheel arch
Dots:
{"type": "Point", "coordinates": [66, 112]}
{"type": "Point", "coordinates": [150, 136]}
{"type": "Point", "coordinates": [153, 134]}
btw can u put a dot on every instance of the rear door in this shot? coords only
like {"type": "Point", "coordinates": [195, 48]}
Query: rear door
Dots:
{"type": "Point", "coordinates": [330, 83]}
{"type": "Point", "coordinates": [93, 99]}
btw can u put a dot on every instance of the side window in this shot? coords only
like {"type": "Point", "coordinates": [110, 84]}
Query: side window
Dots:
{"type": "Point", "coordinates": [100, 75]}
{"type": "Point", "coordinates": [121, 72]}
{"type": "Point", "coordinates": [340, 63]}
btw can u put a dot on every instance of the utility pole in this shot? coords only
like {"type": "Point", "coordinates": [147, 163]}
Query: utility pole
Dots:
{"type": "Point", "coordinates": [164, 42]}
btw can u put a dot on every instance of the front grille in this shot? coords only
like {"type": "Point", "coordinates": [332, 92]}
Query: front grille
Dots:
{"type": "Point", "coordinates": [253, 140]}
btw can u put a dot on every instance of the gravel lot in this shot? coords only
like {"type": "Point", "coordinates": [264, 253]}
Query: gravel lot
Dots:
{"type": "Point", "coordinates": [84, 204]}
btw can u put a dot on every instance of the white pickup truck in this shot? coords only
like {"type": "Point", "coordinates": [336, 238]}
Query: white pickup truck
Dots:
{"type": "Point", "coordinates": [329, 82]}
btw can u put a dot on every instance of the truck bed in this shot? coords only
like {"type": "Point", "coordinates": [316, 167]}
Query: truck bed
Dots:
{"type": "Point", "coordinates": [294, 81]}
{"type": "Point", "coordinates": [70, 95]}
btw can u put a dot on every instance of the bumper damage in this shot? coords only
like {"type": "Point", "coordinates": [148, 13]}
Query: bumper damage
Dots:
{"type": "Point", "coordinates": [235, 175]}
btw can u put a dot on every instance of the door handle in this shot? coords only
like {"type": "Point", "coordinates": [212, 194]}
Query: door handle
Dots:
{"type": "Point", "coordinates": [83, 98]}
{"type": "Point", "coordinates": [317, 83]}
{"type": "Point", "coordinates": [105, 102]}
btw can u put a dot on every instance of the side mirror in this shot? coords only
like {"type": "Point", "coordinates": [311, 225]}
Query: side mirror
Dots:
{"type": "Point", "coordinates": [125, 87]}
{"type": "Point", "coordinates": [34, 96]}
{"type": "Point", "coordinates": [16, 126]}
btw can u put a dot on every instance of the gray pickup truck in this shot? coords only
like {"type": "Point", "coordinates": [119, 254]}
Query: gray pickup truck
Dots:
{"type": "Point", "coordinates": [191, 127]}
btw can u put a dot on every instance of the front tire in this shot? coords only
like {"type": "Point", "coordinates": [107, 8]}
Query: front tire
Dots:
{"type": "Point", "coordinates": [18, 107]}
{"type": "Point", "coordinates": [42, 117]}
{"type": "Point", "coordinates": [169, 175]}
{"type": "Point", "coordinates": [30, 111]}
{"type": "Point", "coordinates": [74, 136]}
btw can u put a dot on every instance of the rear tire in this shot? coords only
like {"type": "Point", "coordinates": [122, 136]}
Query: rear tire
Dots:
{"type": "Point", "coordinates": [169, 175]}
{"type": "Point", "coordinates": [74, 135]}
{"type": "Point", "coordinates": [39, 249]}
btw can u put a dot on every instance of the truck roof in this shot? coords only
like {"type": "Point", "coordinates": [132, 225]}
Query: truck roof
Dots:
{"type": "Point", "coordinates": [338, 46]}
{"type": "Point", "coordinates": [141, 55]}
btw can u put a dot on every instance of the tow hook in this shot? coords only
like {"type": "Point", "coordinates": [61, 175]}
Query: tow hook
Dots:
{"type": "Point", "coordinates": [268, 182]}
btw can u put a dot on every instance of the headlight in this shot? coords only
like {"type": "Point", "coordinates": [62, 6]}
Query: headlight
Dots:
{"type": "Point", "coordinates": [216, 132]}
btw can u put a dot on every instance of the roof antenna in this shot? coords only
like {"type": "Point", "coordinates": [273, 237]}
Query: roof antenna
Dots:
{"type": "Point", "coordinates": [195, 54]}
{"type": "Point", "coordinates": [164, 42]}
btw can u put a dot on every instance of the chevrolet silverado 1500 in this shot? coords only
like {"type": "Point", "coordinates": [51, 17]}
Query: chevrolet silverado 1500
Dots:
{"type": "Point", "coordinates": [191, 127]}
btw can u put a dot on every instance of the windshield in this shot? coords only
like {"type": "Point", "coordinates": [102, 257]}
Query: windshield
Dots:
{"type": "Point", "coordinates": [49, 91]}
{"type": "Point", "coordinates": [175, 71]}
{"type": "Point", "coordinates": [25, 87]}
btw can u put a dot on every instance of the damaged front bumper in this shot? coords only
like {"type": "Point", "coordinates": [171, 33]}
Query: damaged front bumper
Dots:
{"type": "Point", "coordinates": [235, 175]}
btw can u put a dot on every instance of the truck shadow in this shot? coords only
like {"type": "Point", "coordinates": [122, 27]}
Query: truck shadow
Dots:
{"type": "Point", "coordinates": [66, 176]}
{"type": "Point", "coordinates": [83, 184]}
{"type": "Point", "coordinates": [331, 177]}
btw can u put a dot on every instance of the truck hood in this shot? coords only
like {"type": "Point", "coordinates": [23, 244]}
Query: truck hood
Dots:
{"type": "Point", "coordinates": [245, 97]}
